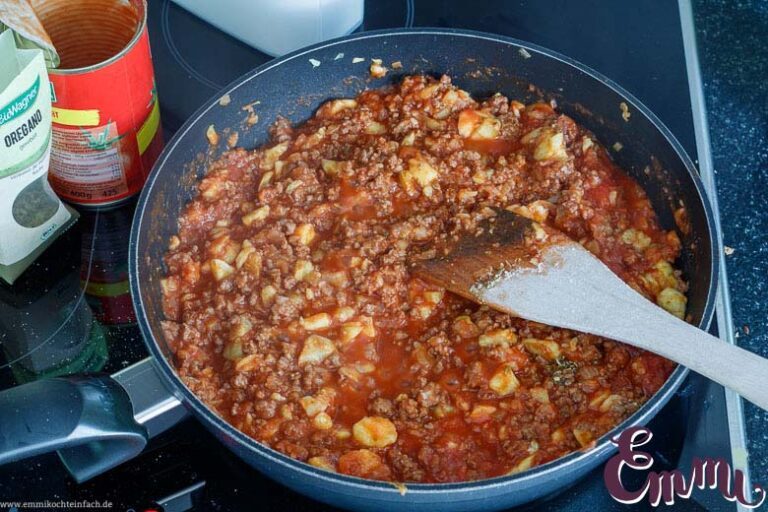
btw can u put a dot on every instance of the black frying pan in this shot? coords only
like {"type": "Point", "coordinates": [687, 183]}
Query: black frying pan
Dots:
{"type": "Point", "coordinates": [96, 428]}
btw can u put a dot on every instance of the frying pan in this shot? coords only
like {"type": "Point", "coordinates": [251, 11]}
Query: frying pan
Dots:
{"type": "Point", "coordinates": [97, 422]}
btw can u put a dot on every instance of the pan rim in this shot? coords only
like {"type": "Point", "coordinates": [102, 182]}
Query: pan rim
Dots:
{"type": "Point", "coordinates": [603, 445]}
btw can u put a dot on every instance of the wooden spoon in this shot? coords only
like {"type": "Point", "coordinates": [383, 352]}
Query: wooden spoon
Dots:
{"type": "Point", "coordinates": [517, 266]}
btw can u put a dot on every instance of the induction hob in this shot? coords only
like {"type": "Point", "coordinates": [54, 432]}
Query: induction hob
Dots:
{"type": "Point", "coordinates": [71, 311]}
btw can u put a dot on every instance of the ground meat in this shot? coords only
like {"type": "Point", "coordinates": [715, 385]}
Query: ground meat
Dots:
{"type": "Point", "coordinates": [475, 375]}
{"type": "Point", "coordinates": [382, 407]}
{"type": "Point", "coordinates": [265, 408]}
{"type": "Point", "coordinates": [406, 466]}
{"type": "Point", "coordinates": [446, 460]}
{"type": "Point", "coordinates": [431, 395]}
{"type": "Point", "coordinates": [291, 310]}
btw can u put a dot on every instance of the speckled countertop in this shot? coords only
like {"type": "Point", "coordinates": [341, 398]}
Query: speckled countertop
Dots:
{"type": "Point", "coordinates": [733, 50]}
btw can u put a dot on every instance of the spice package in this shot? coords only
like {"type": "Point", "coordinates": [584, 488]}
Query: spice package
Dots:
{"type": "Point", "coordinates": [31, 215]}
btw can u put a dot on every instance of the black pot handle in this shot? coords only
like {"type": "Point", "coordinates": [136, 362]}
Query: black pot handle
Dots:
{"type": "Point", "coordinates": [94, 422]}
{"type": "Point", "coordinates": [88, 419]}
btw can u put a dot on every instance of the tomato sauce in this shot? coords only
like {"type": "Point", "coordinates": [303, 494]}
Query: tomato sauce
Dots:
{"type": "Point", "coordinates": [293, 314]}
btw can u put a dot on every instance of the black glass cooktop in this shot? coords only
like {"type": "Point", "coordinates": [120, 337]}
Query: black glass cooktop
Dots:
{"type": "Point", "coordinates": [71, 311]}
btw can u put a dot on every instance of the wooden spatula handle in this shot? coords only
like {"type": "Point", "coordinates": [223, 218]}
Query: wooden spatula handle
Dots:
{"type": "Point", "coordinates": [576, 291]}
{"type": "Point", "coordinates": [733, 367]}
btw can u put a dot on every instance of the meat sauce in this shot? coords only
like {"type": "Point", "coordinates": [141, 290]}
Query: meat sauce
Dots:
{"type": "Point", "coordinates": [293, 315]}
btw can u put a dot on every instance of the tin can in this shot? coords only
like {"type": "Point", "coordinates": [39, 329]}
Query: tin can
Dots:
{"type": "Point", "coordinates": [106, 115]}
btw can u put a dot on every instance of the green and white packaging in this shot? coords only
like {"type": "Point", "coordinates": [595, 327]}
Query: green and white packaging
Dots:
{"type": "Point", "coordinates": [31, 215]}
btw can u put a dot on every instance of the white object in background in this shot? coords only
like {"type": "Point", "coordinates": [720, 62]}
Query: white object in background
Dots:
{"type": "Point", "coordinates": [277, 27]}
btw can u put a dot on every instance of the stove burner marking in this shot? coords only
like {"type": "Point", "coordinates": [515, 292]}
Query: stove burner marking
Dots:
{"type": "Point", "coordinates": [72, 310]}
{"type": "Point", "coordinates": [166, 26]}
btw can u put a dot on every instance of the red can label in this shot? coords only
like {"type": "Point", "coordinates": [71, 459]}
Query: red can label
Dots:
{"type": "Point", "coordinates": [106, 124]}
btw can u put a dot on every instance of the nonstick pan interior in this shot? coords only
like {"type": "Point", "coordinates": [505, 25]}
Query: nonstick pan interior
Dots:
{"type": "Point", "coordinates": [295, 85]}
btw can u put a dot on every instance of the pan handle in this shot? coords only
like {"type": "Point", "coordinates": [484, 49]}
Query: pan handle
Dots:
{"type": "Point", "coordinates": [94, 422]}
{"type": "Point", "coordinates": [87, 418]}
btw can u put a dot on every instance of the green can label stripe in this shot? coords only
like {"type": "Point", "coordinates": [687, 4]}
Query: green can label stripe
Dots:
{"type": "Point", "coordinates": [20, 104]}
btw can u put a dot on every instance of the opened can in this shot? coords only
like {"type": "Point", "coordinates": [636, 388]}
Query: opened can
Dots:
{"type": "Point", "coordinates": [106, 116]}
